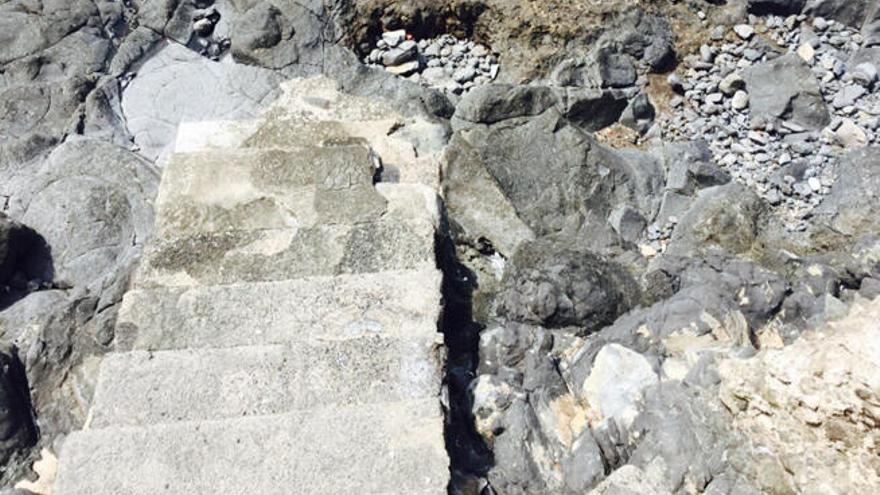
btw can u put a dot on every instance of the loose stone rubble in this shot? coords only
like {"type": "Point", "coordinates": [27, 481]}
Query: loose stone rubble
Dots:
{"type": "Point", "coordinates": [447, 63]}
{"type": "Point", "coordinates": [750, 101]}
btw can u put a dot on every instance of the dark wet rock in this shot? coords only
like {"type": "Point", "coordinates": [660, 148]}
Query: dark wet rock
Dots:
{"type": "Point", "coordinates": [785, 89]}
{"type": "Point", "coordinates": [554, 287]}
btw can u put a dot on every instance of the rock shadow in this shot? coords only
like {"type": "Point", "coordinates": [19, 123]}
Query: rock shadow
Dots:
{"type": "Point", "coordinates": [26, 263]}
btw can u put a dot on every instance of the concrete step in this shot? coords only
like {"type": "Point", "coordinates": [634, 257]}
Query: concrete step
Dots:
{"type": "Point", "coordinates": [261, 189]}
{"type": "Point", "coordinates": [391, 304]}
{"type": "Point", "coordinates": [398, 154]}
{"type": "Point", "coordinates": [233, 256]}
{"type": "Point", "coordinates": [142, 387]}
{"type": "Point", "coordinates": [389, 448]}
{"type": "Point", "coordinates": [276, 189]}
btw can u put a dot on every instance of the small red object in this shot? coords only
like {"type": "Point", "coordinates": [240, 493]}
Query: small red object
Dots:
{"type": "Point", "coordinates": [409, 36]}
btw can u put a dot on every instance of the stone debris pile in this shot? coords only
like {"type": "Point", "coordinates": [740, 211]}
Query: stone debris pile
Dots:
{"type": "Point", "coordinates": [447, 63]}
{"type": "Point", "coordinates": [778, 101]}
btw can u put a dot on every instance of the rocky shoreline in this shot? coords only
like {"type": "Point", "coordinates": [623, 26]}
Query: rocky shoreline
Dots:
{"type": "Point", "coordinates": [661, 234]}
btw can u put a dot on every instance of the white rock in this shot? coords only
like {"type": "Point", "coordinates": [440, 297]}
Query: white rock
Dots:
{"type": "Point", "coordinates": [806, 52]}
{"type": "Point", "coordinates": [394, 38]}
{"type": "Point", "coordinates": [616, 382]}
{"type": "Point", "coordinates": [404, 69]}
{"type": "Point", "coordinates": [740, 100]}
{"type": "Point", "coordinates": [744, 31]}
{"type": "Point", "coordinates": [850, 135]}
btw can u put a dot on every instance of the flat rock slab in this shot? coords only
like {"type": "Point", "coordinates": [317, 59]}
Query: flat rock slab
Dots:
{"type": "Point", "coordinates": [178, 84]}
{"type": "Point", "coordinates": [374, 449]}
{"type": "Point", "coordinates": [142, 388]}
{"type": "Point", "coordinates": [282, 254]}
{"type": "Point", "coordinates": [388, 304]}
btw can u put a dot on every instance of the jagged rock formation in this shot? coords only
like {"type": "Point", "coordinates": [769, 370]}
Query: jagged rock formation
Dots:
{"type": "Point", "coordinates": [283, 322]}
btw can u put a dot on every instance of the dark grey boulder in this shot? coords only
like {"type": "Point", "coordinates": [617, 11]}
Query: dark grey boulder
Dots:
{"type": "Point", "coordinates": [851, 209]}
{"type": "Point", "coordinates": [559, 180]}
{"type": "Point", "coordinates": [497, 102]}
{"type": "Point", "coordinates": [639, 114]}
{"type": "Point", "coordinates": [278, 35]}
{"type": "Point", "coordinates": [170, 18]}
{"type": "Point", "coordinates": [645, 37]}
{"type": "Point", "coordinates": [584, 467]}
{"type": "Point", "coordinates": [555, 287]}
{"type": "Point", "coordinates": [592, 109]}
{"type": "Point", "coordinates": [850, 12]}
{"type": "Point", "coordinates": [785, 89]}
{"type": "Point", "coordinates": [616, 70]}
{"type": "Point", "coordinates": [689, 167]}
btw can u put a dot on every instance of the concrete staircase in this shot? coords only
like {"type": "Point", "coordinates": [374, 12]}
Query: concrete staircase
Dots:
{"type": "Point", "coordinates": [280, 336]}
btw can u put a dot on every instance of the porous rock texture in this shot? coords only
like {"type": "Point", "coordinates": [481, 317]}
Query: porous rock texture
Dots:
{"type": "Point", "coordinates": [647, 220]}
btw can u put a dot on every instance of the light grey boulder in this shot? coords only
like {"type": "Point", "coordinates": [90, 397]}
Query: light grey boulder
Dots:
{"type": "Point", "coordinates": [785, 89]}
{"type": "Point", "coordinates": [92, 202]}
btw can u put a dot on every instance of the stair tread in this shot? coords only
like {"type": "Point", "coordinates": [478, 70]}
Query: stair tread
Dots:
{"type": "Point", "coordinates": [393, 303]}
{"type": "Point", "coordinates": [142, 387]}
{"type": "Point", "coordinates": [371, 449]}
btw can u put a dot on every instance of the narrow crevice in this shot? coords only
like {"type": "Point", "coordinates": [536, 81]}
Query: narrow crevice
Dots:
{"type": "Point", "coordinates": [470, 458]}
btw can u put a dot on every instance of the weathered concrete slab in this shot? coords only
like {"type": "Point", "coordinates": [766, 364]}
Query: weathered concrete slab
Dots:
{"type": "Point", "coordinates": [372, 449]}
{"type": "Point", "coordinates": [266, 189]}
{"type": "Point", "coordinates": [281, 254]}
{"type": "Point", "coordinates": [142, 387]}
{"type": "Point", "coordinates": [342, 307]}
